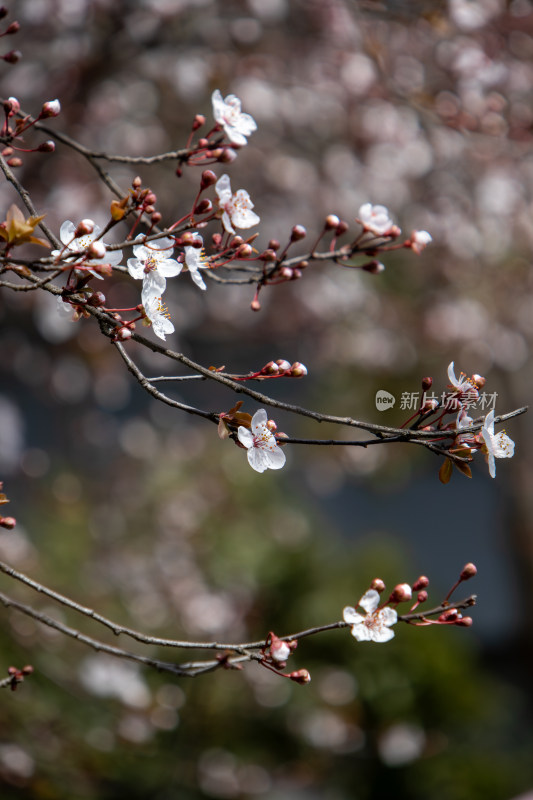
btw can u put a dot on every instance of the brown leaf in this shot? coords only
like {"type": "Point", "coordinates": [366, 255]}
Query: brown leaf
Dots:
{"type": "Point", "coordinates": [445, 472]}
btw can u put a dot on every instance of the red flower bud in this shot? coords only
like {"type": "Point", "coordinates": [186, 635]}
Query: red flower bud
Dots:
{"type": "Point", "coordinates": [298, 232]}
{"type": "Point", "coordinates": [199, 120]}
{"type": "Point", "coordinates": [12, 57]}
{"type": "Point", "coordinates": [332, 222]}
{"type": "Point", "coordinates": [298, 370]}
{"type": "Point", "coordinates": [421, 583]}
{"type": "Point", "coordinates": [274, 244]}
{"type": "Point", "coordinates": [50, 109]}
{"type": "Point", "coordinates": [8, 523]}
{"type": "Point", "coordinates": [427, 383]}
{"type": "Point", "coordinates": [400, 593]}
{"type": "Point", "coordinates": [378, 585]}
{"type": "Point", "coordinates": [469, 571]}
{"type": "Point", "coordinates": [300, 676]}
{"type": "Point", "coordinates": [208, 178]}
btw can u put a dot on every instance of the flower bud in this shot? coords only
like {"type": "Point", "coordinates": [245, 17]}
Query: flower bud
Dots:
{"type": "Point", "coordinates": [124, 334]}
{"type": "Point", "coordinates": [274, 244]}
{"type": "Point", "coordinates": [97, 249]}
{"type": "Point", "coordinates": [479, 380]}
{"type": "Point", "coordinates": [11, 105]}
{"type": "Point", "coordinates": [13, 28]}
{"type": "Point", "coordinates": [156, 218]}
{"type": "Point", "coordinates": [255, 305]}
{"type": "Point", "coordinates": [342, 227]}
{"type": "Point", "coordinates": [374, 267]}
{"type": "Point", "coordinates": [465, 622]}
{"type": "Point", "coordinates": [378, 585]}
{"type": "Point", "coordinates": [422, 597]}
{"type": "Point", "coordinates": [97, 299]}
{"type": "Point", "coordinates": [46, 147]}
{"type": "Point", "coordinates": [421, 583]}
{"type": "Point", "coordinates": [270, 369]}
{"type": "Point", "coordinates": [199, 120]}
{"type": "Point", "coordinates": [27, 670]}
{"type": "Point", "coordinates": [332, 222]}
{"type": "Point", "coordinates": [271, 425]}
{"type": "Point", "coordinates": [237, 241]}
{"type": "Point", "coordinates": [298, 370]}
{"type": "Point", "coordinates": [204, 206]}
{"type": "Point", "coordinates": [298, 232]}
{"type": "Point", "coordinates": [268, 255]}
{"type": "Point", "coordinates": [8, 523]}
{"type": "Point", "coordinates": [278, 649]}
{"type": "Point", "coordinates": [150, 199]}
{"type": "Point", "coordinates": [137, 182]}
{"type": "Point", "coordinates": [400, 593]}
{"type": "Point", "coordinates": [427, 383]}
{"type": "Point", "coordinates": [12, 57]}
{"type": "Point", "coordinates": [244, 251]}
{"type": "Point", "coordinates": [227, 156]}
{"type": "Point", "coordinates": [300, 676]}
{"type": "Point", "coordinates": [451, 615]}
{"type": "Point", "coordinates": [286, 273]}
{"type": "Point", "coordinates": [14, 162]}
{"type": "Point", "coordinates": [208, 178]}
{"type": "Point", "coordinates": [283, 364]}
{"type": "Point", "coordinates": [469, 571]}
{"type": "Point", "coordinates": [50, 109]}
{"type": "Point", "coordinates": [85, 227]}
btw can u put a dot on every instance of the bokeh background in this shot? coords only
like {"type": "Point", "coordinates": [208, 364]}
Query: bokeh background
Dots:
{"type": "Point", "coordinates": [145, 515]}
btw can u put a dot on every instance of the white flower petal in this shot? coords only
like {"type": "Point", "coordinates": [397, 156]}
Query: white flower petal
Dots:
{"type": "Point", "coordinates": [274, 458]}
{"type": "Point", "coordinates": [382, 634]}
{"type": "Point", "coordinates": [259, 418]}
{"type": "Point", "coordinates": [351, 616]}
{"type": "Point", "coordinates": [362, 633]}
{"type": "Point", "coordinates": [388, 616]}
{"type": "Point", "coordinates": [256, 459]}
{"type": "Point", "coordinates": [245, 436]}
{"type": "Point", "coordinates": [369, 601]}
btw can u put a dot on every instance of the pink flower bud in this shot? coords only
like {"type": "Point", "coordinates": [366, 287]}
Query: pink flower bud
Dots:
{"type": "Point", "coordinates": [465, 622]}
{"type": "Point", "coordinates": [268, 255]}
{"type": "Point", "coordinates": [298, 370]}
{"type": "Point", "coordinates": [421, 583]}
{"type": "Point", "coordinates": [271, 425]}
{"type": "Point", "coordinates": [298, 232]}
{"type": "Point", "coordinates": [97, 249]}
{"type": "Point", "coordinates": [227, 156]}
{"type": "Point", "coordinates": [199, 120]}
{"type": "Point", "coordinates": [374, 267]}
{"type": "Point", "coordinates": [156, 217]}
{"type": "Point", "coordinates": [274, 244]}
{"type": "Point", "coordinates": [204, 206]}
{"type": "Point", "coordinates": [124, 334]}
{"type": "Point", "coordinates": [46, 147]}
{"type": "Point", "coordinates": [479, 380]}
{"type": "Point", "coordinates": [270, 369]}
{"type": "Point", "coordinates": [332, 221]}
{"type": "Point", "coordinates": [278, 650]}
{"type": "Point", "coordinates": [244, 251]}
{"type": "Point", "coordinates": [451, 615]}
{"type": "Point", "coordinates": [14, 162]}
{"type": "Point", "coordinates": [150, 199]}
{"type": "Point", "coordinates": [422, 596]}
{"type": "Point", "coordinates": [85, 227]}
{"type": "Point", "coordinates": [427, 383]}
{"type": "Point", "coordinates": [7, 151]}
{"type": "Point", "coordinates": [208, 178]}
{"type": "Point", "coordinates": [300, 676]}
{"type": "Point", "coordinates": [469, 571]}
{"type": "Point", "coordinates": [378, 585]}
{"type": "Point", "coordinates": [12, 57]}
{"type": "Point", "coordinates": [342, 227]}
{"type": "Point", "coordinates": [400, 593]}
{"type": "Point", "coordinates": [286, 273]}
{"type": "Point", "coordinates": [137, 182]}
{"type": "Point", "coordinates": [13, 28]}
{"type": "Point", "coordinates": [11, 105]}
{"type": "Point", "coordinates": [8, 523]}
{"type": "Point", "coordinates": [255, 305]}
{"type": "Point", "coordinates": [283, 364]}
{"type": "Point", "coordinates": [50, 109]}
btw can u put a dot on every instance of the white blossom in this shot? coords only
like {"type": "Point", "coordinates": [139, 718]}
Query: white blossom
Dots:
{"type": "Point", "coordinates": [375, 625]}
{"type": "Point", "coordinates": [236, 208]}
{"type": "Point", "coordinates": [158, 316]}
{"type": "Point", "coordinates": [227, 112]}
{"type": "Point", "coordinates": [498, 445]}
{"type": "Point", "coordinates": [263, 449]}
{"type": "Point", "coordinates": [375, 219]}
{"type": "Point", "coordinates": [466, 391]}
{"type": "Point", "coordinates": [195, 259]}
{"type": "Point", "coordinates": [66, 234]}
{"type": "Point", "coordinates": [153, 263]}
{"type": "Point", "coordinates": [419, 240]}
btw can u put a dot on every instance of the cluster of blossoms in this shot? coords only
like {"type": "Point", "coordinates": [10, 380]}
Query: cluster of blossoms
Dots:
{"type": "Point", "coordinates": [375, 625]}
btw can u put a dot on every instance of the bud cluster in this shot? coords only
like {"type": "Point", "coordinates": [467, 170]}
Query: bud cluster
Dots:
{"type": "Point", "coordinates": [275, 654]}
